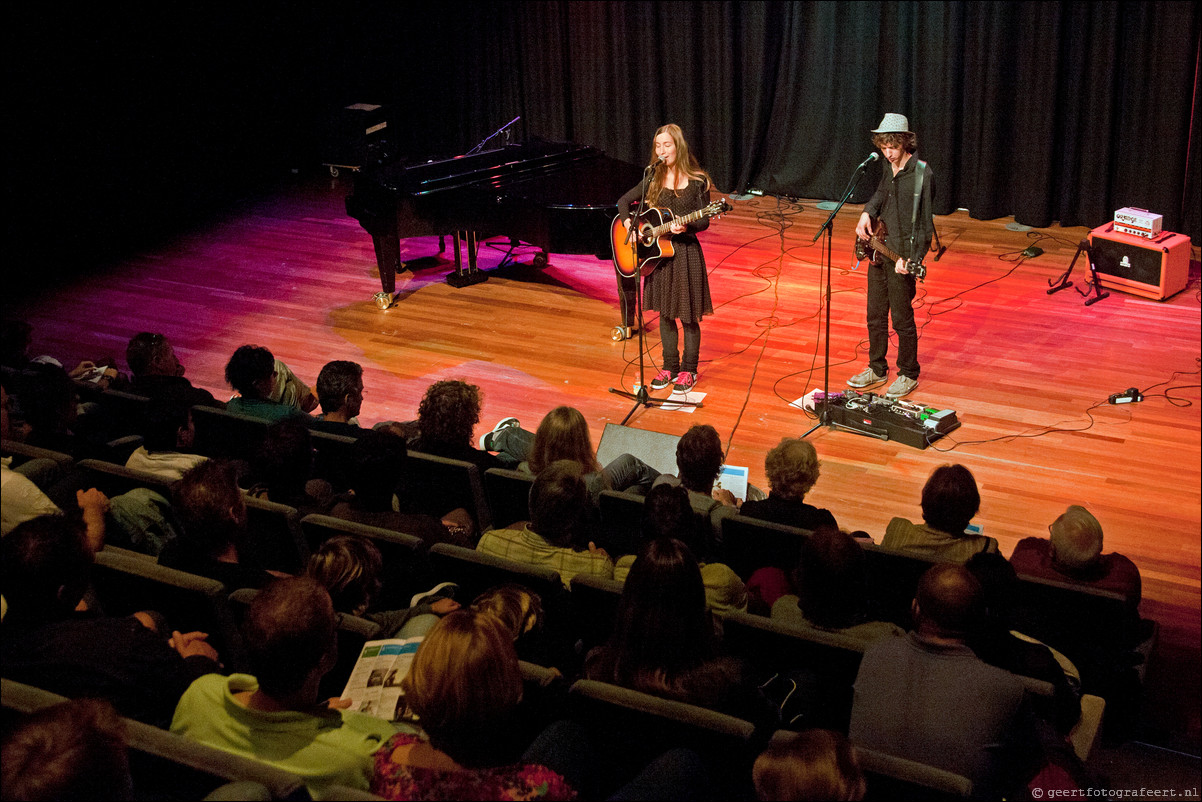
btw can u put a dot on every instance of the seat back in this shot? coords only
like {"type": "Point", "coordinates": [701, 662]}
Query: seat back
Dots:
{"type": "Point", "coordinates": [220, 433]}
{"type": "Point", "coordinates": [475, 572]}
{"type": "Point", "coordinates": [113, 480]}
{"type": "Point", "coordinates": [164, 765]}
{"type": "Point", "coordinates": [892, 580]}
{"type": "Point", "coordinates": [440, 484]}
{"type": "Point", "coordinates": [330, 457]}
{"type": "Point", "coordinates": [275, 536]}
{"type": "Point", "coordinates": [621, 521]}
{"type": "Point", "coordinates": [594, 604]}
{"type": "Point", "coordinates": [126, 412]}
{"type": "Point", "coordinates": [126, 584]}
{"type": "Point", "coordinates": [508, 495]}
{"type": "Point", "coordinates": [822, 664]}
{"type": "Point", "coordinates": [404, 571]}
{"type": "Point", "coordinates": [23, 452]}
{"type": "Point", "coordinates": [750, 543]}
{"type": "Point", "coordinates": [889, 777]}
{"type": "Point", "coordinates": [629, 729]}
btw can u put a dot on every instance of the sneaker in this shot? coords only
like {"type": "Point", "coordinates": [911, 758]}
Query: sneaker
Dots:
{"type": "Point", "coordinates": [901, 388]}
{"type": "Point", "coordinates": [661, 380]}
{"type": "Point", "coordinates": [486, 443]}
{"type": "Point", "coordinates": [684, 381]}
{"type": "Point", "coordinates": [865, 379]}
{"type": "Point", "coordinates": [443, 590]}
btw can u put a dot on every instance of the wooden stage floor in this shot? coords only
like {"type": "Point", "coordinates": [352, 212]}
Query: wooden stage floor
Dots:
{"type": "Point", "coordinates": [1028, 373]}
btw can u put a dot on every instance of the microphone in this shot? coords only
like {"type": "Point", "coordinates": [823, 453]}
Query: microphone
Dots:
{"type": "Point", "coordinates": [871, 158]}
{"type": "Point", "coordinates": [658, 159]}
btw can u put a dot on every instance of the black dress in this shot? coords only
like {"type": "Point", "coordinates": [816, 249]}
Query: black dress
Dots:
{"type": "Point", "coordinates": [678, 288]}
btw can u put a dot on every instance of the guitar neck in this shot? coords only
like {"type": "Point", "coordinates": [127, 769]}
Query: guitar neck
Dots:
{"type": "Point", "coordinates": [883, 249]}
{"type": "Point", "coordinates": [684, 220]}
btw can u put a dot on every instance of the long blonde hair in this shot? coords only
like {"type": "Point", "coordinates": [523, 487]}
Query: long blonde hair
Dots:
{"type": "Point", "coordinates": [685, 163]}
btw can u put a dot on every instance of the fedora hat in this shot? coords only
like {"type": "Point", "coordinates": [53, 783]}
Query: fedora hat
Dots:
{"type": "Point", "coordinates": [893, 124]}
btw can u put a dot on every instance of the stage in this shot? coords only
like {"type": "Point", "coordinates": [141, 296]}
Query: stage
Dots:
{"type": "Point", "coordinates": [1027, 373]}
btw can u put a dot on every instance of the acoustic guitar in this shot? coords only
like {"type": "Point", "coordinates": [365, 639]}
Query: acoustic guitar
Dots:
{"type": "Point", "coordinates": [650, 247]}
{"type": "Point", "coordinates": [875, 249]}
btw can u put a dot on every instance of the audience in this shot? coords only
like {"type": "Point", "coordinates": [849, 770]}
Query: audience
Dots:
{"type": "Point", "coordinates": [266, 388]}
{"type": "Point", "coordinates": [167, 438]}
{"type": "Point", "coordinates": [949, 501]}
{"type": "Point", "coordinates": [521, 611]}
{"type": "Point", "coordinates": [663, 641]}
{"type": "Point", "coordinates": [995, 641]}
{"type": "Point", "coordinates": [1073, 553]}
{"type": "Point", "coordinates": [832, 591]}
{"type": "Point", "coordinates": [667, 513]}
{"type": "Point", "coordinates": [553, 537]}
{"type": "Point", "coordinates": [274, 714]}
{"type": "Point", "coordinates": [927, 697]}
{"type": "Point", "coordinates": [792, 469]}
{"type": "Point", "coordinates": [464, 686]}
{"type": "Point", "coordinates": [446, 417]}
{"type": "Point", "coordinates": [157, 371]}
{"type": "Point", "coordinates": [814, 765]}
{"type": "Point", "coordinates": [21, 500]}
{"type": "Point", "coordinates": [340, 393]}
{"type": "Point", "coordinates": [214, 540]}
{"type": "Point", "coordinates": [349, 568]}
{"type": "Point", "coordinates": [283, 470]}
{"type": "Point", "coordinates": [699, 460]}
{"type": "Point", "coordinates": [564, 434]}
{"type": "Point", "coordinates": [376, 470]}
{"type": "Point", "coordinates": [70, 751]}
{"type": "Point", "coordinates": [961, 709]}
{"type": "Point", "coordinates": [53, 642]}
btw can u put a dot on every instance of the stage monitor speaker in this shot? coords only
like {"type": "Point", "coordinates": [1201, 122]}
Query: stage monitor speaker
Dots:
{"type": "Point", "coordinates": [654, 448]}
{"type": "Point", "coordinates": [1154, 268]}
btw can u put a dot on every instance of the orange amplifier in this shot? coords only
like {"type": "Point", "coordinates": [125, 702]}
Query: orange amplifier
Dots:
{"type": "Point", "coordinates": [1155, 267]}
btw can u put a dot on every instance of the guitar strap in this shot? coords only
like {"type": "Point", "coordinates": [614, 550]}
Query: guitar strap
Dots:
{"type": "Point", "coordinates": [919, 171]}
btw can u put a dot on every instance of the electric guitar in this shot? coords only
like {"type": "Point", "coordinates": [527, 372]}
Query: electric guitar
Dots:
{"type": "Point", "coordinates": [875, 249]}
{"type": "Point", "coordinates": [649, 247]}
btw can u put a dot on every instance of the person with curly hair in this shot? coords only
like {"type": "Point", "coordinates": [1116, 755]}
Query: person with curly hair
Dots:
{"type": "Point", "coordinates": [266, 387]}
{"type": "Point", "coordinates": [446, 417]}
{"type": "Point", "coordinates": [792, 468]}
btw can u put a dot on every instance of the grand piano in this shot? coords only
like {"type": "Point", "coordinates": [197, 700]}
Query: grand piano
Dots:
{"type": "Point", "coordinates": [557, 196]}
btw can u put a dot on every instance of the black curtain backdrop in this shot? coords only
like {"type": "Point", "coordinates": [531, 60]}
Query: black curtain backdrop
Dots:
{"type": "Point", "coordinates": [1045, 111]}
{"type": "Point", "coordinates": [130, 119]}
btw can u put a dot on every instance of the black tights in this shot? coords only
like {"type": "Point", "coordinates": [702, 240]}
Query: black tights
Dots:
{"type": "Point", "coordinates": [669, 339]}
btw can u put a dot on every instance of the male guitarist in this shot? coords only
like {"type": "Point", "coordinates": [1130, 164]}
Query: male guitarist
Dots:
{"type": "Point", "coordinates": [901, 208]}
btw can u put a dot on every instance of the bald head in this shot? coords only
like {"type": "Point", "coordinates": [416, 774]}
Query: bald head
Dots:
{"type": "Point", "coordinates": [948, 602]}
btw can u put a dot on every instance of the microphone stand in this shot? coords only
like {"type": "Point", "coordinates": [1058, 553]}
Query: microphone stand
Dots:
{"type": "Point", "coordinates": [829, 228]}
{"type": "Point", "coordinates": [641, 397]}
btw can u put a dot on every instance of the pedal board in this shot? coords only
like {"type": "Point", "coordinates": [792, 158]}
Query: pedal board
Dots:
{"type": "Point", "coordinates": [908, 422]}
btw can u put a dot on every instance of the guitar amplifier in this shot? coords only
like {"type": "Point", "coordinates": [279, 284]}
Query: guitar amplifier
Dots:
{"type": "Point", "coordinates": [1156, 267]}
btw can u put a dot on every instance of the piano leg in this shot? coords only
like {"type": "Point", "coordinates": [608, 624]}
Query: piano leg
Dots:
{"type": "Point", "coordinates": [473, 275]}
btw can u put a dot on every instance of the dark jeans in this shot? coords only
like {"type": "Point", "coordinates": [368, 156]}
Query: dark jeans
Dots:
{"type": "Point", "coordinates": [670, 340]}
{"type": "Point", "coordinates": [890, 294]}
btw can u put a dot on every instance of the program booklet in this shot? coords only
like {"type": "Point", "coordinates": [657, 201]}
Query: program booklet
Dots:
{"type": "Point", "coordinates": [374, 686]}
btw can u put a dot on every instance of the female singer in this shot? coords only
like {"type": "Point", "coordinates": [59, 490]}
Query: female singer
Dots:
{"type": "Point", "coordinates": [678, 287]}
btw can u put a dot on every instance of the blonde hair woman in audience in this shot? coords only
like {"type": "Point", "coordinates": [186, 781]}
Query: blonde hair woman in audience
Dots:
{"type": "Point", "coordinates": [464, 685]}
{"type": "Point", "coordinates": [811, 765]}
